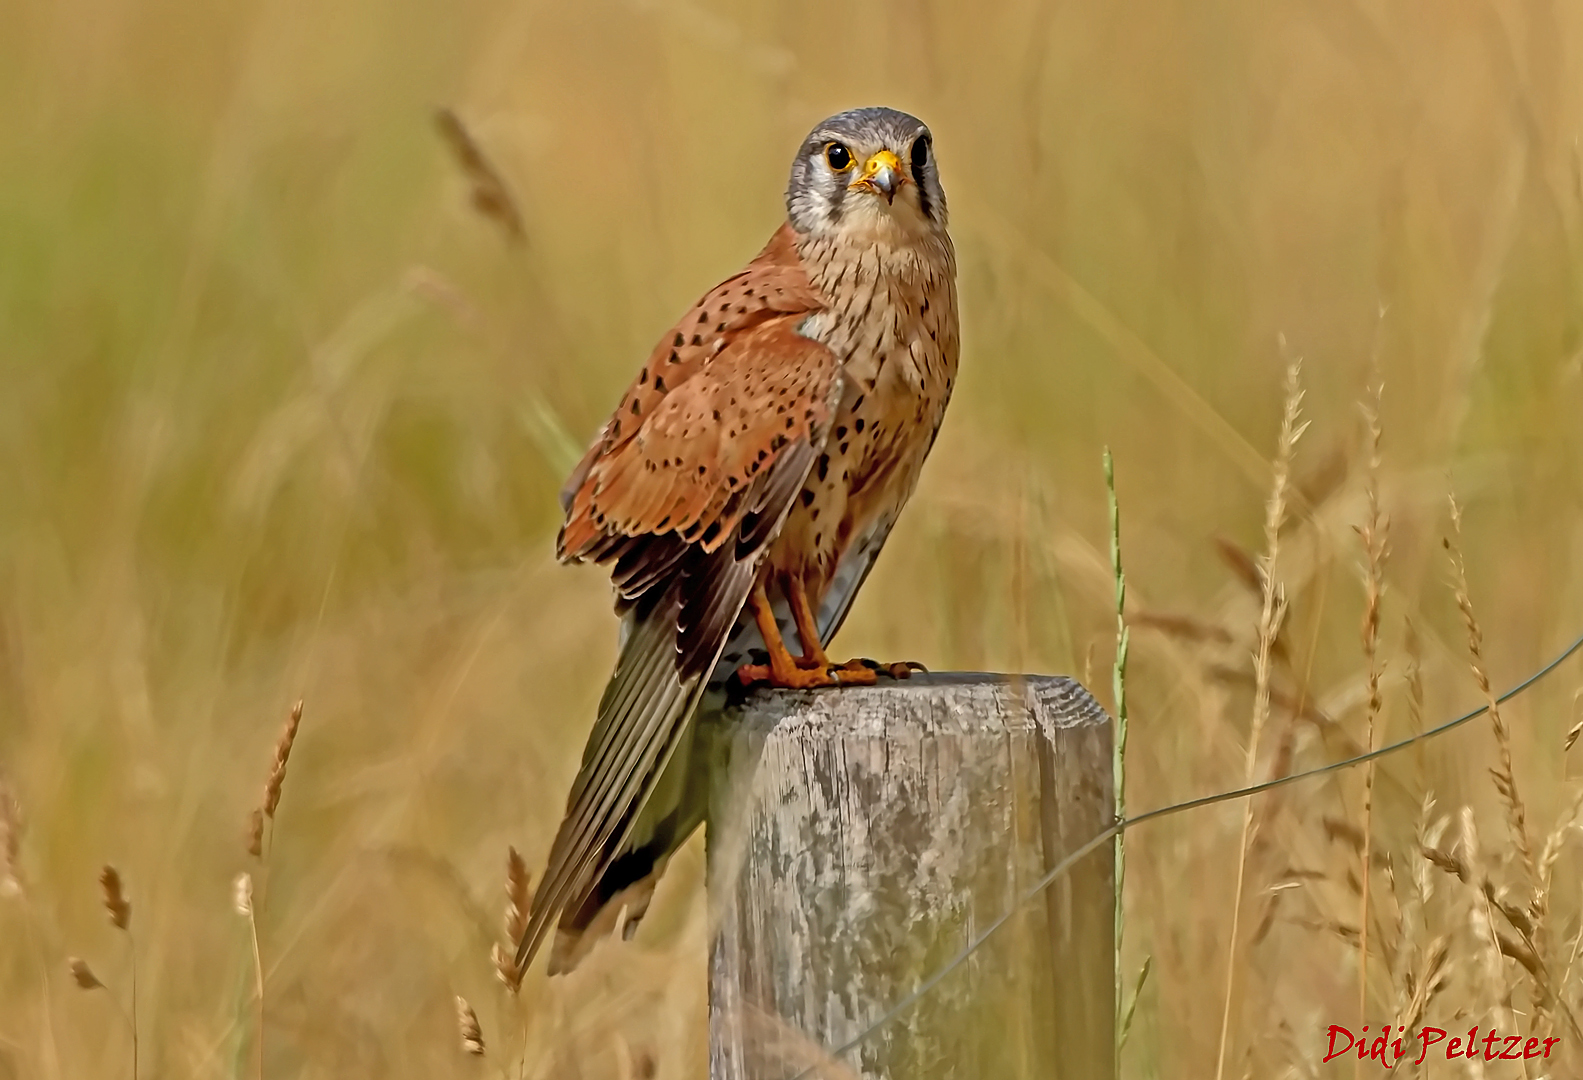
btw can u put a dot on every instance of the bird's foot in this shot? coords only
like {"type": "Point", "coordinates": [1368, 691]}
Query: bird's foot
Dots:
{"type": "Point", "coordinates": [857, 672]}
{"type": "Point", "coordinates": [900, 670]}
{"type": "Point", "coordinates": [795, 678]}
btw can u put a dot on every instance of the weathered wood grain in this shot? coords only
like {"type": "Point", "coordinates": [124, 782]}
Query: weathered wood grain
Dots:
{"type": "Point", "coordinates": [860, 837]}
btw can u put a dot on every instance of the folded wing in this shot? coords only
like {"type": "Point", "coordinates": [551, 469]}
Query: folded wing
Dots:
{"type": "Point", "coordinates": [681, 496]}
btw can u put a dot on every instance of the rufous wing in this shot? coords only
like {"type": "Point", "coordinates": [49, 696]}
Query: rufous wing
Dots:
{"type": "Point", "coordinates": [718, 397]}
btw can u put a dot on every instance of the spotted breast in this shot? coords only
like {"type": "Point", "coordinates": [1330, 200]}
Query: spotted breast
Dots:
{"type": "Point", "coordinates": [891, 322]}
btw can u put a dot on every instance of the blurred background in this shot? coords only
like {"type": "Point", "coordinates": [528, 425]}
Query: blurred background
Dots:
{"type": "Point", "coordinates": [283, 414]}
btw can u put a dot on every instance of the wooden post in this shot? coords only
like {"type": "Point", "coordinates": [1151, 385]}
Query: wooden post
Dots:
{"type": "Point", "coordinates": [860, 837]}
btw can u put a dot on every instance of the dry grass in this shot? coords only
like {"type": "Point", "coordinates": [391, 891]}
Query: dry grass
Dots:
{"type": "Point", "coordinates": [1373, 533]}
{"type": "Point", "coordinates": [285, 414]}
{"type": "Point", "coordinates": [467, 1027]}
{"type": "Point", "coordinates": [277, 771]}
{"type": "Point", "coordinates": [1272, 613]}
{"type": "Point", "coordinates": [1503, 773]}
{"type": "Point", "coordinates": [10, 842]}
{"type": "Point", "coordinates": [83, 975]}
{"type": "Point", "coordinates": [515, 924]}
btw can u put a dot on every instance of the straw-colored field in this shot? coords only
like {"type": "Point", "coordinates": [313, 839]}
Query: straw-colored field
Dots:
{"type": "Point", "coordinates": [282, 415]}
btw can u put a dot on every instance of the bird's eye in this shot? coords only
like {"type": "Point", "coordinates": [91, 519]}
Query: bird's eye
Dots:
{"type": "Point", "coordinates": [839, 157]}
{"type": "Point", "coordinates": [920, 154]}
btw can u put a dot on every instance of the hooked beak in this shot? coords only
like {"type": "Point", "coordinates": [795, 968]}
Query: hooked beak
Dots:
{"type": "Point", "coordinates": [882, 175]}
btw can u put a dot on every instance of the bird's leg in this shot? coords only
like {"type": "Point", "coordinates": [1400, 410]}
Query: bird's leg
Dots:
{"type": "Point", "coordinates": [813, 654]}
{"type": "Point", "coordinates": [782, 670]}
{"type": "Point", "coordinates": [813, 668]}
{"type": "Point", "coordinates": [855, 671]}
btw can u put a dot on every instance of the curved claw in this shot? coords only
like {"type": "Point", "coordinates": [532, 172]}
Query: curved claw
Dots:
{"type": "Point", "coordinates": [901, 670]}
{"type": "Point", "coordinates": [847, 675]}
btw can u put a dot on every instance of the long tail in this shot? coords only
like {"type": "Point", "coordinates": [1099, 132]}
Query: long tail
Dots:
{"type": "Point", "coordinates": [679, 627]}
{"type": "Point", "coordinates": [643, 712]}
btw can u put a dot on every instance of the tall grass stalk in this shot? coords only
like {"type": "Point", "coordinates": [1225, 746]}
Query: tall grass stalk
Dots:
{"type": "Point", "coordinates": [1272, 611]}
{"type": "Point", "coordinates": [119, 909]}
{"type": "Point", "coordinates": [1503, 773]}
{"type": "Point", "coordinates": [242, 900]}
{"type": "Point", "coordinates": [260, 837]}
{"type": "Point", "coordinates": [1373, 533]}
{"type": "Point", "coordinates": [1118, 686]}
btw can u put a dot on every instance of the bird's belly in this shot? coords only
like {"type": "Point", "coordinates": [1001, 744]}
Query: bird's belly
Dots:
{"type": "Point", "coordinates": [870, 464]}
{"type": "Point", "coordinates": [855, 490]}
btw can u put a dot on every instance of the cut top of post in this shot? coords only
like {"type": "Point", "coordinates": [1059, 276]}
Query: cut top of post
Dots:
{"type": "Point", "coordinates": [934, 704]}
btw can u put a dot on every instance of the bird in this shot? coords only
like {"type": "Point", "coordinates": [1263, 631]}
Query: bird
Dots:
{"type": "Point", "coordinates": [741, 491]}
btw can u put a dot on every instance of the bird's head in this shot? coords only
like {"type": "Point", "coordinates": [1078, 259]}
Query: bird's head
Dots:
{"type": "Point", "coordinates": [867, 172]}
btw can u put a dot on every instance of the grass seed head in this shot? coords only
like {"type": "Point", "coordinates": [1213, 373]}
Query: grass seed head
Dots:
{"type": "Point", "coordinates": [82, 974]}
{"type": "Point", "coordinates": [517, 896]}
{"type": "Point", "coordinates": [505, 960]}
{"type": "Point", "coordinates": [255, 833]}
{"type": "Point", "coordinates": [467, 1026]}
{"type": "Point", "coordinates": [1448, 861]}
{"type": "Point", "coordinates": [115, 901]}
{"type": "Point", "coordinates": [10, 842]}
{"type": "Point", "coordinates": [1503, 773]}
{"type": "Point", "coordinates": [490, 196]}
{"type": "Point", "coordinates": [242, 894]}
{"type": "Point", "coordinates": [516, 921]}
{"type": "Point", "coordinates": [277, 773]}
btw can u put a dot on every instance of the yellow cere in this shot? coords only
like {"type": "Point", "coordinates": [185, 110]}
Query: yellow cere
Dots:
{"type": "Point", "coordinates": [882, 160]}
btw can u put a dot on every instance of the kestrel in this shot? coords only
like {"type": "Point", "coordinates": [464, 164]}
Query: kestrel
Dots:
{"type": "Point", "coordinates": [744, 487]}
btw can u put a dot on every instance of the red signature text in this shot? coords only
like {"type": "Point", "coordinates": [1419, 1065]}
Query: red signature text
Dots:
{"type": "Point", "coordinates": [1387, 1051]}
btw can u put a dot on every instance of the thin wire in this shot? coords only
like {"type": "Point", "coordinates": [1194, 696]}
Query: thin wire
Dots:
{"type": "Point", "coordinates": [1112, 831]}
